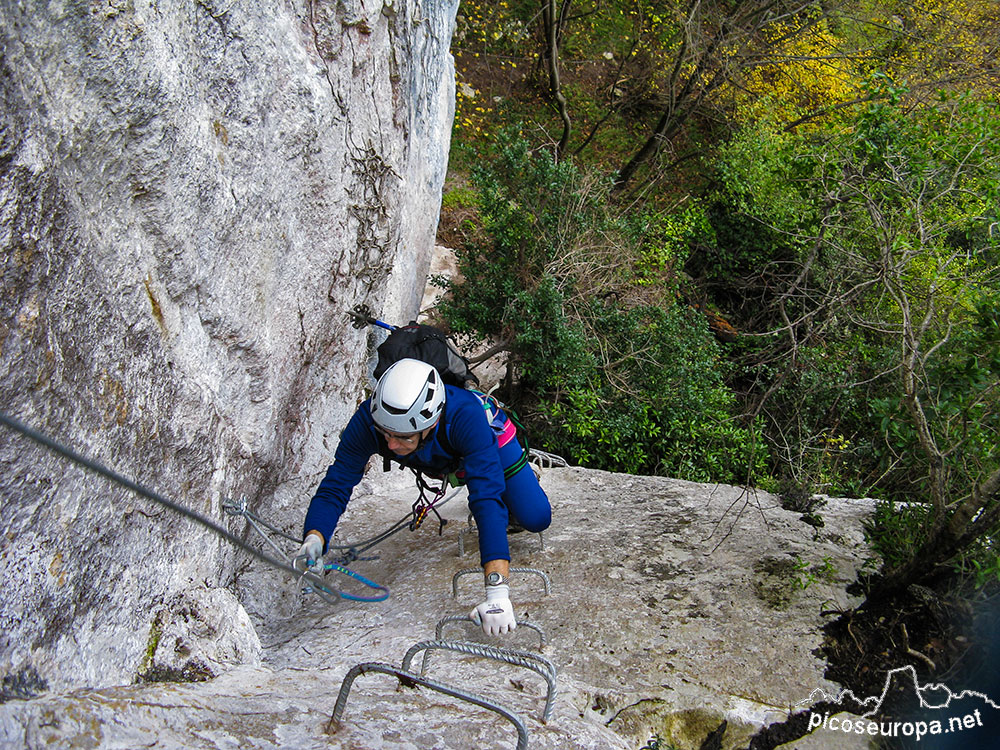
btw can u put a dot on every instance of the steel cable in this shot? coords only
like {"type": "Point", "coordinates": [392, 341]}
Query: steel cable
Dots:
{"type": "Point", "coordinates": [322, 589]}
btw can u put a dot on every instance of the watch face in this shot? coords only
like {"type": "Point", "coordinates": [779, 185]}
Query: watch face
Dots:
{"type": "Point", "coordinates": [494, 579]}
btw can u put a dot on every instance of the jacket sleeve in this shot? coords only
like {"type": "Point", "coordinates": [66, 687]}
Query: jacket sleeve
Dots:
{"type": "Point", "coordinates": [473, 438]}
{"type": "Point", "coordinates": [357, 445]}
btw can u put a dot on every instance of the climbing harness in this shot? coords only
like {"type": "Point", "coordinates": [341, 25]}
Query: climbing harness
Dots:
{"type": "Point", "coordinates": [505, 425]}
{"type": "Point", "coordinates": [352, 551]}
{"type": "Point", "coordinates": [322, 588]}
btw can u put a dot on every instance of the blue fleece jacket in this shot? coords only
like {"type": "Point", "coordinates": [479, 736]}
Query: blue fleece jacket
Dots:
{"type": "Point", "coordinates": [474, 450]}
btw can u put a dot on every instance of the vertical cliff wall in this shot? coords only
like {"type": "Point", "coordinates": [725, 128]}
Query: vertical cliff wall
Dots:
{"type": "Point", "coordinates": [192, 195]}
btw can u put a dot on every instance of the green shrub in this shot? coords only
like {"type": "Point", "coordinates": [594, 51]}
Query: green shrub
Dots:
{"type": "Point", "coordinates": [894, 530]}
{"type": "Point", "coordinates": [613, 371]}
{"type": "Point", "coordinates": [662, 408]}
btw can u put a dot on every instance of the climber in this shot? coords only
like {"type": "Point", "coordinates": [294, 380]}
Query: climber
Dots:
{"type": "Point", "coordinates": [413, 418]}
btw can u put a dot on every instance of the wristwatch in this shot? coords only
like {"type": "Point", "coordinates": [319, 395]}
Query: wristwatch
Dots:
{"type": "Point", "coordinates": [496, 579]}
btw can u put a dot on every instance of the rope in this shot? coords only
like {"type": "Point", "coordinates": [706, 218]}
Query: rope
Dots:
{"type": "Point", "coordinates": [365, 581]}
{"type": "Point", "coordinates": [353, 550]}
{"type": "Point", "coordinates": [323, 591]}
{"type": "Point", "coordinates": [255, 522]}
{"type": "Point", "coordinates": [240, 509]}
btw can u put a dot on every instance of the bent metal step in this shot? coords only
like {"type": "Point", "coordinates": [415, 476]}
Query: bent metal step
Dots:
{"type": "Point", "coordinates": [470, 528]}
{"type": "Point", "coordinates": [409, 679]}
{"type": "Point", "coordinates": [439, 628]}
{"type": "Point", "coordinates": [525, 659]}
{"type": "Point", "coordinates": [546, 581]}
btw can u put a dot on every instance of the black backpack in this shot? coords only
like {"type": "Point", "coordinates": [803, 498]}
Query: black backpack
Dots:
{"type": "Point", "coordinates": [428, 344]}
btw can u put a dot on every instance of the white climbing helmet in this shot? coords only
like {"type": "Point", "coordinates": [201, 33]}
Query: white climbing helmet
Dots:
{"type": "Point", "coordinates": [408, 398]}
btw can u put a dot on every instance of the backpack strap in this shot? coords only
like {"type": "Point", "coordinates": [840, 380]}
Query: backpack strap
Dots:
{"type": "Point", "coordinates": [504, 435]}
{"type": "Point", "coordinates": [442, 433]}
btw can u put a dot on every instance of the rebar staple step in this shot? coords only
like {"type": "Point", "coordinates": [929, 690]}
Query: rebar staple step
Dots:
{"type": "Point", "coordinates": [409, 679]}
{"type": "Point", "coordinates": [546, 460]}
{"type": "Point", "coordinates": [471, 527]}
{"type": "Point", "coordinates": [468, 571]}
{"type": "Point", "coordinates": [525, 659]}
{"type": "Point", "coordinates": [439, 628]}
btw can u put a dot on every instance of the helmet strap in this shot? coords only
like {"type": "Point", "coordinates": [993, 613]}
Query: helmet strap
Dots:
{"type": "Point", "coordinates": [427, 435]}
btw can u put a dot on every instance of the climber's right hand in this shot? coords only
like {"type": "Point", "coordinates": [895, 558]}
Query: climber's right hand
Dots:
{"type": "Point", "coordinates": [496, 614]}
{"type": "Point", "coordinates": [310, 553]}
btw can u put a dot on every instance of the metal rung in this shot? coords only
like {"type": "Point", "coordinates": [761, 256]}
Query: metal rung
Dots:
{"type": "Point", "coordinates": [461, 542]}
{"type": "Point", "coordinates": [546, 460]}
{"type": "Point", "coordinates": [471, 527]}
{"type": "Point", "coordinates": [409, 679]}
{"type": "Point", "coordinates": [468, 571]}
{"type": "Point", "coordinates": [526, 659]}
{"type": "Point", "coordinates": [439, 628]}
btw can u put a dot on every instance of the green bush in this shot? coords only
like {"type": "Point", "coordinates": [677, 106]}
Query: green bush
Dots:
{"type": "Point", "coordinates": [612, 370]}
{"type": "Point", "coordinates": [663, 409]}
{"type": "Point", "coordinates": [894, 530]}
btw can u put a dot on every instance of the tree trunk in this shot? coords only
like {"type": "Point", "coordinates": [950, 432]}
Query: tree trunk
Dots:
{"type": "Point", "coordinates": [948, 536]}
{"type": "Point", "coordinates": [552, 29]}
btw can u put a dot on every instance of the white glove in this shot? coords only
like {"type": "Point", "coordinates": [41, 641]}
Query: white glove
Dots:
{"type": "Point", "coordinates": [310, 552]}
{"type": "Point", "coordinates": [496, 614]}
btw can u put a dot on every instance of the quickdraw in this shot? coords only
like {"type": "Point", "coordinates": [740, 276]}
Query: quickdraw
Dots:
{"type": "Point", "coordinates": [351, 552]}
{"type": "Point", "coordinates": [423, 506]}
{"type": "Point", "coordinates": [311, 573]}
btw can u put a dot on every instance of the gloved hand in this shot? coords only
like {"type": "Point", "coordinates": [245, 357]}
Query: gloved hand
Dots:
{"type": "Point", "coordinates": [496, 614]}
{"type": "Point", "coordinates": [311, 551]}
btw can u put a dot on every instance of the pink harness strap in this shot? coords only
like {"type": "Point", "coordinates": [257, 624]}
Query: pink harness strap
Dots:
{"type": "Point", "coordinates": [509, 431]}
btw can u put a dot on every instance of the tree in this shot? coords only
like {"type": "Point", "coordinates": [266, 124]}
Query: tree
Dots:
{"type": "Point", "coordinates": [605, 365]}
{"type": "Point", "coordinates": [553, 19]}
{"type": "Point", "coordinates": [718, 43]}
{"type": "Point", "coordinates": [925, 184]}
{"type": "Point", "coordinates": [902, 248]}
{"type": "Point", "coordinates": [796, 62]}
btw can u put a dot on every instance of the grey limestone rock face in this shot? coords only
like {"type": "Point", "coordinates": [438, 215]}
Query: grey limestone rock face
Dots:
{"type": "Point", "coordinates": [662, 617]}
{"type": "Point", "coordinates": [192, 195]}
{"type": "Point", "coordinates": [198, 634]}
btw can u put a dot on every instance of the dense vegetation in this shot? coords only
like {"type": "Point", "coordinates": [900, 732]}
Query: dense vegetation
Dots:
{"type": "Point", "coordinates": [753, 242]}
